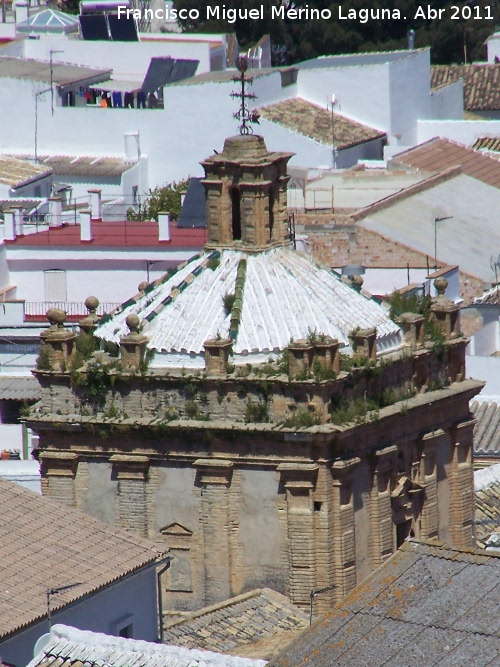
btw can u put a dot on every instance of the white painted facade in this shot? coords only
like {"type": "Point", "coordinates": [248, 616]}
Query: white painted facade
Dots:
{"type": "Point", "coordinates": [131, 601]}
{"type": "Point", "coordinates": [386, 91]}
{"type": "Point", "coordinates": [110, 274]}
{"type": "Point", "coordinates": [462, 131]}
{"type": "Point", "coordinates": [493, 47]}
{"type": "Point", "coordinates": [129, 60]}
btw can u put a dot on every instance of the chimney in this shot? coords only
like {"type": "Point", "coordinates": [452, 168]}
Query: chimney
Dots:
{"type": "Point", "coordinates": [164, 226]}
{"type": "Point", "coordinates": [95, 204]}
{"type": "Point", "coordinates": [21, 10]}
{"type": "Point", "coordinates": [19, 219]}
{"type": "Point", "coordinates": [86, 225]}
{"type": "Point", "coordinates": [9, 225]}
{"type": "Point", "coordinates": [55, 211]}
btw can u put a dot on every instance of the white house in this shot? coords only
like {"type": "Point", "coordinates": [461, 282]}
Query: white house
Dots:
{"type": "Point", "coordinates": [387, 92]}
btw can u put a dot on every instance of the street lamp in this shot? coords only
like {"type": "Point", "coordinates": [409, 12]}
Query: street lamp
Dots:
{"type": "Point", "coordinates": [436, 220]}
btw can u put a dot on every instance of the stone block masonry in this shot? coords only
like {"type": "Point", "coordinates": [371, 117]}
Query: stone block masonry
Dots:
{"type": "Point", "coordinates": [302, 494]}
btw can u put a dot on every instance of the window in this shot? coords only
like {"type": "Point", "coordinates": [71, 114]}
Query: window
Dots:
{"type": "Point", "coordinates": [123, 627]}
{"type": "Point", "coordinates": [234, 193]}
{"type": "Point", "coordinates": [55, 285]}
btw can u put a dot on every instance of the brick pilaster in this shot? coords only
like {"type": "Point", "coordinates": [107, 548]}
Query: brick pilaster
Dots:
{"type": "Point", "coordinates": [429, 520]}
{"type": "Point", "coordinates": [381, 523]}
{"type": "Point", "coordinates": [299, 480]}
{"type": "Point", "coordinates": [462, 485]}
{"type": "Point", "coordinates": [343, 537]}
{"type": "Point", "coordinates": [131, 499]}
{"type": "Point", "coordinates": [214, 477]}
{"type": "Point", "coordinates": [58, 470]}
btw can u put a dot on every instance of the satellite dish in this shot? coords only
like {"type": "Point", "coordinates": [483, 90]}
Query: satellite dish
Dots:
{"type": "Point", "coordinates": [41, 643]}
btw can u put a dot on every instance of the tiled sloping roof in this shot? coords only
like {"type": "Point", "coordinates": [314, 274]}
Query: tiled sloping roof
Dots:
{"type": "Point", "coordinates": [285, 296]}
{"type": "Point", "coordinates": [19, 388]}
{"type": "Point", "coordinates": [225, 76]}
{"type": "Point", "coordinates": [15, 172]}
{"type": "Point", "coordinates": [316, 122]}
{"type": "Point", "coordinates": [438, 154]}
{"type": "Point", "coordinates": [428, 605]}
{"type": "Point", "coordinates": [261, 616]}
{"type": "Point", "coordinates": [481, 84]}
{"type": "Point", "coordinates": [45, 544]}
{"type": "Point", "coordinates": [490, 297]}
{"type": "Point", "coordinates": [69, 647]}
{"type": "Point", "coordinates": [487, 492]}
{"type": "Point", "coordinates": [114, 234]}
{"type": "Point", "coordinates": [84, 165]}
{"type": "Point", "coordinates": [26, 69]}
{"type": "Point", "coordinates": [487, 144]}
{"type": "Point", "coordinates": [487, 428]}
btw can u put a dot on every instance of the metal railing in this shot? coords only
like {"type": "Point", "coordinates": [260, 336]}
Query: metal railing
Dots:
{"type": "Point", "coordinates": [75, 310]}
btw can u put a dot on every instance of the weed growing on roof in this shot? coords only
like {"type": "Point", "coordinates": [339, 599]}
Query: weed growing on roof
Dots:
{"type": "Point", "coordinates": [43, 359]}
{"type": "Point", "coordinates": [257, 412]}
{"type": "Point", "coordinates": [302, 418]}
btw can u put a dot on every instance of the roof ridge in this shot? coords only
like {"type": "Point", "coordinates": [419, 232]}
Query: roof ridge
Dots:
{"type": "Point", "coordinates": [426, 184]}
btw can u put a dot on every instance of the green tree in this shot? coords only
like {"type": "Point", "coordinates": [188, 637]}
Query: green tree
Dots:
{"type": "Point", "coordinates": [162, 198]}
{"type": "Point", "coordinates": [303, 39]}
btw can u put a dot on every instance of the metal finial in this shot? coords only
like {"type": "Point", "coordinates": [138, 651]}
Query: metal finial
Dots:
{"type": "Point", "coordinates": [244, 115]}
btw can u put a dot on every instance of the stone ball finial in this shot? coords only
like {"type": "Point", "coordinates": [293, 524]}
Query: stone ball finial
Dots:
{"type": "Point", "coordinates": [56, 317]}
{"type": "Point", "coordinates": [357, 280]}
{"type": "Point", "coordinates": [133, 322]}
{"type": "Point", "coordinates": [91, 303]}
{"type": "Point", "coordinates": [441, 284]}
{"type": "Point", "coordinates": [142, 286]}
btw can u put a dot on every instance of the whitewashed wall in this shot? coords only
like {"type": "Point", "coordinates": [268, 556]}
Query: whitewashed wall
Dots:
{"type": "Point", "coordinates": [362, 91]}
{"type": "Point", "coordinates": [135, 595]}
{"type": "Point", "coordinates": [463, 131]}
{"type": "Point", "coordinates": [128, 60]}
{"type": "Point", "coordinates": [447, 103]}
{"type": "Point", "coordinates": [409, 90]}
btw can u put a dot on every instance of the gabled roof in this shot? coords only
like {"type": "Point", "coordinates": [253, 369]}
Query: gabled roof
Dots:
{"type": "Point", "coordinates": [487, 492]}
{"type": "Point", "coordinates": [116, 234]}
{"type": "Point", "coordinates": [438, 154]}
{"type": "Point", "coordinates": [465, 236]}
{"type": "Point", "coordinates": [27, 69]}
{"type": "Point", "coordinates": [481, 84]}
{"type": "Point", "coordinates": [16, 173]}
{"type": "Point", "coordinates": [487, 428]}
{"type": "Point", "coordinates": [428, 605]}
{"type": "Point", "coordinates": [284, 296]}
{"type": "Point", "coordinates": [59, 546]}
{"type": "Point", "coordinates": [24, 388]}
{"type": "Point", "coordinates": [315, 122]}
{"type": "Point", "coordinates": [491, 144]}
{"type": "Point", "coordinates": [69, 647]}
{"type": "Point", "coordinates": [83, 165]}
{"type": "Point", "coordinates": [257, 623]}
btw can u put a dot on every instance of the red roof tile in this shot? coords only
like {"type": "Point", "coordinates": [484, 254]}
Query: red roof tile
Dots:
{"type": "Point", "coordinates": [114, 235]}
{"type": "Point", "coordinates": [439, 154]}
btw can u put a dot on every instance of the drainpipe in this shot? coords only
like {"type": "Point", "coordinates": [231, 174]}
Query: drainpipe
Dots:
{"type": "Point", "coordinates": [160, 605]}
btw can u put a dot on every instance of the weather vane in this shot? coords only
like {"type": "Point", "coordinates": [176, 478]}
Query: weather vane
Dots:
{"type": "Point", "coordinates": [244, 115]}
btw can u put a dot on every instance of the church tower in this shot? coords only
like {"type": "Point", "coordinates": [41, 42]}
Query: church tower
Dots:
{"type": "Point", "coordinates": [246, 186]}
{"type": "Point", "coordinates": [246, 195]}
